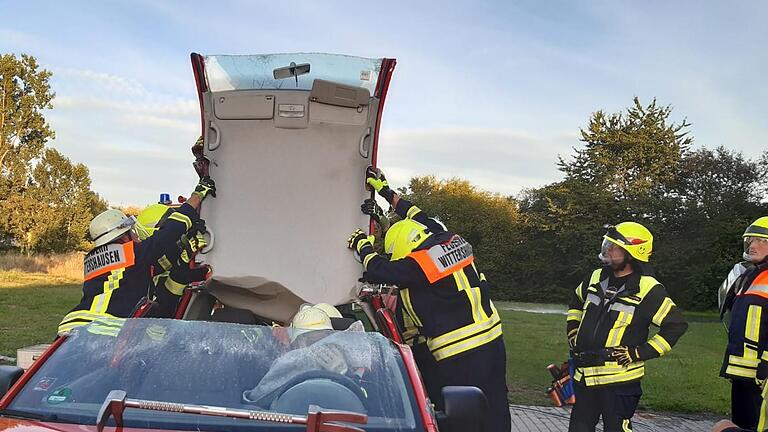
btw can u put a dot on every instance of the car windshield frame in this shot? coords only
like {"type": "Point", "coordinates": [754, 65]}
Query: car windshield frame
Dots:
{"type": "Point", "coordinates": [218, 364]}
{"type": "Point", "coordinates": [256, 72]}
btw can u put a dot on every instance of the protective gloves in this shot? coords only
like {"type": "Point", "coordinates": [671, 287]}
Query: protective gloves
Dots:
{"type": "Point", "coordinates": [190, 243]}
{"type": "Point", "coordinates": [374, 178]}
{"type": "Point", "coordinates": [624, 355]}
{"type": "Point", "coordinates": [371, 208]}
{"type": "Point", "coordinates": [358, 240]}
{"type": "Point", "coordinates": [205, 187]}
{"type": "Point", "coordinates": [198, 144]}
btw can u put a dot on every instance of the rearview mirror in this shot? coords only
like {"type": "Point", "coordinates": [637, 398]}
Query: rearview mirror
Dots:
{"type": "Point", "coordinates": [8, 377]}
{"type": "Point", "coordinates": [292, 70]}
{"type": "Point", "coordinates": [465, 409]}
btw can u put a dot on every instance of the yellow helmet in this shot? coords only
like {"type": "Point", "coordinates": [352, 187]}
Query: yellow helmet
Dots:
{"type": "Point", "coordinates": [755, 232]}
{"type": "Point", "coordinates": [403, 237]}
{"type": "Point", "coordinates": [758, 228]}
{"type": "Point", "coordinates": [632, 237]}
{"type": "Point", "coordinates": [150, 218]}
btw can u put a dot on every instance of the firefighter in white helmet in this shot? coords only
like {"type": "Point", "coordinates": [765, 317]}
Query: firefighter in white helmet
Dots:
{"type": "Point", "coordinates": [117, 270]}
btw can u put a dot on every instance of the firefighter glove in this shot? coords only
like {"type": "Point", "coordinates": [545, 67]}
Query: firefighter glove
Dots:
{"type": "Point", "coordinates": [624, 355]}
{"type": "Point", "coordinates": [198, 144]}
{"type": "Point", "coordinates": [358, 240]}
{"type": "Point", "coordinates": [374, 177]}
{"type": "Point", "coordinates": [206, 187]}
{"type": "Point", "coordinates": [372, 209]}
{"type": "Point", "coordinates": [190, 243]}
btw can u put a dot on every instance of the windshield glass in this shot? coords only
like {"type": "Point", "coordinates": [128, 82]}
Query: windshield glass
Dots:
{"type": "Point", "coordinates": [220, 364]}
{"type": "Point", "coordinates": [255, 72]}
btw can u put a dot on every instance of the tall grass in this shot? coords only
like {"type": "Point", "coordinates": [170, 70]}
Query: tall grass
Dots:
{"type": "Point", "coordinates": [67, 266]}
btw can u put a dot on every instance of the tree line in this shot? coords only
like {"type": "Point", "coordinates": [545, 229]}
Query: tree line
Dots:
{"type": "Point", "coordinates": [46, 201]}
{"type": "Point", "coordinates": [634, 165]}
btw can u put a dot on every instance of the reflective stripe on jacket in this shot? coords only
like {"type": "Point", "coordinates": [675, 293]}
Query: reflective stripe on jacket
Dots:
{"type": "Point", "coordinates": [115, 290]}
{"type": "Point", "coordinates": [746, 356]}
{"type": "Point", "coordinates": [599, 323]}
{"type": "Point", "coordinates": [442, 293]}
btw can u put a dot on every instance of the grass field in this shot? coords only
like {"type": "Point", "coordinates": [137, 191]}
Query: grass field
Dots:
{"type": "Point", "coordinates": [32, 305]}
{"type": "Point", "coordinates": [684, 381]}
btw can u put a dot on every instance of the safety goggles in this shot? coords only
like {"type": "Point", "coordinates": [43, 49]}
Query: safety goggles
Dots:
{"type": "Point", "coordinates": [605, 248]}
{"type": "Point", "coordinates": [612, 232]}
{"type": "Point", "coordinates": [749, 241]}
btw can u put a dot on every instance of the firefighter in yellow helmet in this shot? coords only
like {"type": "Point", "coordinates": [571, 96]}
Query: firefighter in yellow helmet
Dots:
{"type": "Point", "coordinates": [608, 322]}
{"type": "Point", "coordinates": [117, 271]}
{"type": "Point", "coordinates": [746, 356]}
{"type": "Point", "coordinates": [173, 271]}
{"type": "Point", "coordinates": [446, 298]}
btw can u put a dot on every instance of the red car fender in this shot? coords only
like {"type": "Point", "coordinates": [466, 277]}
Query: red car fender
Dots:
{"type": "Point", "coordinates": [418, 388]}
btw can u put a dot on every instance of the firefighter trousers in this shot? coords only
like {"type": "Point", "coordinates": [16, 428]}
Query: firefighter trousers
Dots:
{"type": "Point", "coordinates": [616, 404]}
{"type": "Point", "coordinates": [484, 367]}
{"type": "Point", "coordinates": [746, 399]}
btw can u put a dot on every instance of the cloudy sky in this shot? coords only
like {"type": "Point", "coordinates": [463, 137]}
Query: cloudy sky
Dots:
{"type": "Point", "coordinates": [489, 91]}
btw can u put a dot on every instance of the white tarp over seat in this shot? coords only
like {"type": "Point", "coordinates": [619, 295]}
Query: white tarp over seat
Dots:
{"type": "Point", "coordinates": [289, 162]}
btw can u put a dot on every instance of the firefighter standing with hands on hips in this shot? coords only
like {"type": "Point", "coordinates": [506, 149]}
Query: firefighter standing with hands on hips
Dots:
{"type": "Point", "coordinates": [445, 296]}
{"type": "Point", "coordinates": [746, 356]}
{"type": "Point", "coordinates": [607, 325]}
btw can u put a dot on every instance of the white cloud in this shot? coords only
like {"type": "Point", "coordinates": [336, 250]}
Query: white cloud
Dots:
{"type": "Point", "coordinates": [108, 82]}
{"type": "Point", "coordinates": [179, 108]}
{"type": "Point", "coordinates": [134, 138]}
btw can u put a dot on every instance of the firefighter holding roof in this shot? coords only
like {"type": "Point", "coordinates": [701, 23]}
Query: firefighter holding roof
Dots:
{"type": "Point", "coordinates": [118, 268]}
{"type": "Point", "coordinates": [444, 294]}
{"type": "Point", "coordinates": [172, 272]}
{"type": "Point", "coordinates": [608, 323]}
{"type": "Point", "coordinates": [746, 356]}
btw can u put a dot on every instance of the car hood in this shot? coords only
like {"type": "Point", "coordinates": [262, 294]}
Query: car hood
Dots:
{"type": "Point", "coordinates": [289, 159]}
{"type": "Point", "coordinates": [8, 424]}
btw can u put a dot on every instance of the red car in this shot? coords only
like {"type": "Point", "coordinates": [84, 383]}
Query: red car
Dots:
{"type": "Point", "coordinates": [287, 138]}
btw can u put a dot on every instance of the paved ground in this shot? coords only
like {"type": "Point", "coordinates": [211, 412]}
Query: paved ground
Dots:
{"type": "Point", "coordinates": [551, 419]}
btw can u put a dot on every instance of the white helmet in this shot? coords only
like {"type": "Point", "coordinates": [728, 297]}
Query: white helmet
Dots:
{"type": "Point", "coordinates": [328, 308]}
{"type": "Point", "coordinates": [109, 225]}
{"type": "Point", "coordinates": [309, 319]}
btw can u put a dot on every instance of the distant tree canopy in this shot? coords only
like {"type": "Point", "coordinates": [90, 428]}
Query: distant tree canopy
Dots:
{"type": "Point", "coordinates": [46, 201]}
{"type": "Point", "coordinates": [635, 166]}
{"type": "Point", "coordinates": [488, 221]}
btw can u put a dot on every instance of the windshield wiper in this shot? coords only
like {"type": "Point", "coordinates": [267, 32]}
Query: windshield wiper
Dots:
{"type": "Point", "coordinates": [316, 419]}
